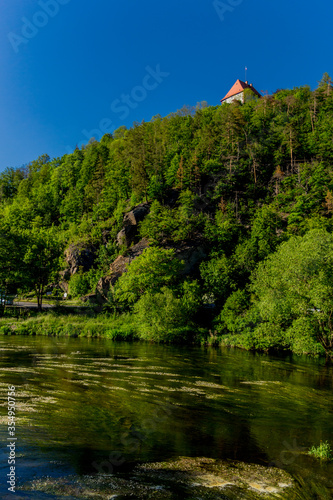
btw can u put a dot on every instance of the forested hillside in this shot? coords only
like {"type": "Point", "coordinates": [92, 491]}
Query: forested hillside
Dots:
{"type": "Point", "coordinates": [236, 239]}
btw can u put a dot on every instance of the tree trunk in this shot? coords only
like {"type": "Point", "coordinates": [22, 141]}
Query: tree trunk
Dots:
{"type": "Point", "coordinates": [39, 297]}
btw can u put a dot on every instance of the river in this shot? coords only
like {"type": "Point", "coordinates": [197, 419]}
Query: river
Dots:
{"type": "Point", "coordinates": [87, 406]}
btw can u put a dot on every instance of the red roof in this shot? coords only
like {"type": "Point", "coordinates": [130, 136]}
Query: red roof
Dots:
{"type": "Point", "coordinates": [239, 87]}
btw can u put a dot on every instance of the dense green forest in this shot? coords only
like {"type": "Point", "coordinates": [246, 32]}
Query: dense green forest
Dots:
{"type": "Point", "coordinates": [238, 231]}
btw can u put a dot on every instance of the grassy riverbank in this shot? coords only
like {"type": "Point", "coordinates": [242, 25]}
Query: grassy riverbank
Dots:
{"type": "Point", "coordinates": [69, 324]}
{"type": "Point", "coordinates": [64, 320]}
{"type": "Point", "coordinates": [86, 323]}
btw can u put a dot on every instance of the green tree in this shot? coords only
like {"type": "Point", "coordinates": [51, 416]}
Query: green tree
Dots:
{"type": "Point", "coordinates": [233, 312]}
{"type": "Point", "coordinates": [79, 284]}
{"type": "Point", "coordinates": [11, 272]}
{"type": "Point", "coordinates": [160, 224]}
{"type": "Point", "coordinates": [294, 291]}
{"type": "Point", "coordinates": [155, 268]}
{"type": "Point", "coordinates": [217, 274]}
{"type": "Point", "coordinates": [10, 179]}
{"type": "Point", "coordinates": [160, 316]}
{"type": "Point", "coordinates": [41, 259]}
{"type": "Point", "coordinates": [167, 315]}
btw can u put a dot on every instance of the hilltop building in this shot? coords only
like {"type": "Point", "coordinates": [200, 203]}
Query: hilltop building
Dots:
{"type": "Point", "coordinates": [237, 92]}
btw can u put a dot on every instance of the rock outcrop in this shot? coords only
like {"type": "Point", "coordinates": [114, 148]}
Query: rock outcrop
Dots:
{"type": "Point", "coordinates": [191, 253]}
{"type": "Point", "coordinates": [79, 256]}
{"type": "Point", "coordinates": [131, 220]}
{"type": "Point", "coordinates": [119, 267]}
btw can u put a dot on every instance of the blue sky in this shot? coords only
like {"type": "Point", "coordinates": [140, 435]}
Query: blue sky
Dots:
{"type": "Point", "coordinates": [72, 69]}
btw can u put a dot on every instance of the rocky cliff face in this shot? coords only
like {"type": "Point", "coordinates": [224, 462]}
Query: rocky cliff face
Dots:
{"type": "Point", "coordinates": [79, 255]}
{"type": "Point", "coordinates": [82, 256]}
{"type": "Point", "coordinates": [128, 234]}
{"type": "Point", "coordinates": [119, 267]}
{"type": "Point", "coordinates": [190, 254]}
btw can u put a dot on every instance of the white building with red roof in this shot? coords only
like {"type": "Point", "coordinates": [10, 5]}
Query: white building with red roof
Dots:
{"type": "Point", "coordinates": [237, 92]}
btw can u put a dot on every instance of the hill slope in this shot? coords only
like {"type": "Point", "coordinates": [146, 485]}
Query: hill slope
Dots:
{"type": "Point", "coordinates": [223, 188]}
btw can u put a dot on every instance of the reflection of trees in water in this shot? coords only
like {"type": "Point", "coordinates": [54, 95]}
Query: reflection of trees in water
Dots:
{"type": "Point", "coordinates": [95, 400]}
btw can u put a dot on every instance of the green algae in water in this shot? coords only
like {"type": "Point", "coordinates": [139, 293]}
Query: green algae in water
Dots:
{"type": "Point", "coordinates": [82, 400]}
{"type": "Point", "coordinates": [183, 478]}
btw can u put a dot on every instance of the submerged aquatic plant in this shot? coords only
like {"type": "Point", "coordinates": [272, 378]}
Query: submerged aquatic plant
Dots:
{"type": "Point", "coordinates": [305, 489]}
{"type": "Point", "coordinates": [323, 451]}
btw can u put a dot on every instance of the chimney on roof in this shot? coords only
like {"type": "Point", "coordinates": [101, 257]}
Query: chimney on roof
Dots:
{"type": "Point", "coordinates": [246, 82]}
{"type": "Point", "coordinates": [250, 84]}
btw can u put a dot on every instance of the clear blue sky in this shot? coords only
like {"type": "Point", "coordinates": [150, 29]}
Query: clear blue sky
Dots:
{"type": "Point", "coordinates": [66, 65]}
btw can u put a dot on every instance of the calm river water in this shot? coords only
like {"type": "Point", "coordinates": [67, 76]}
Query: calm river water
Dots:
{"type": "Point", "coordinates": [88, 406]}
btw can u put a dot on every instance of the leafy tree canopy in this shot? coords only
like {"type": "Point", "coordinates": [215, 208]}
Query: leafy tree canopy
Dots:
{"type": "Point", "coordinates": [294, 287]}
{"type": "Point", "coordinates": [155, 268]}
